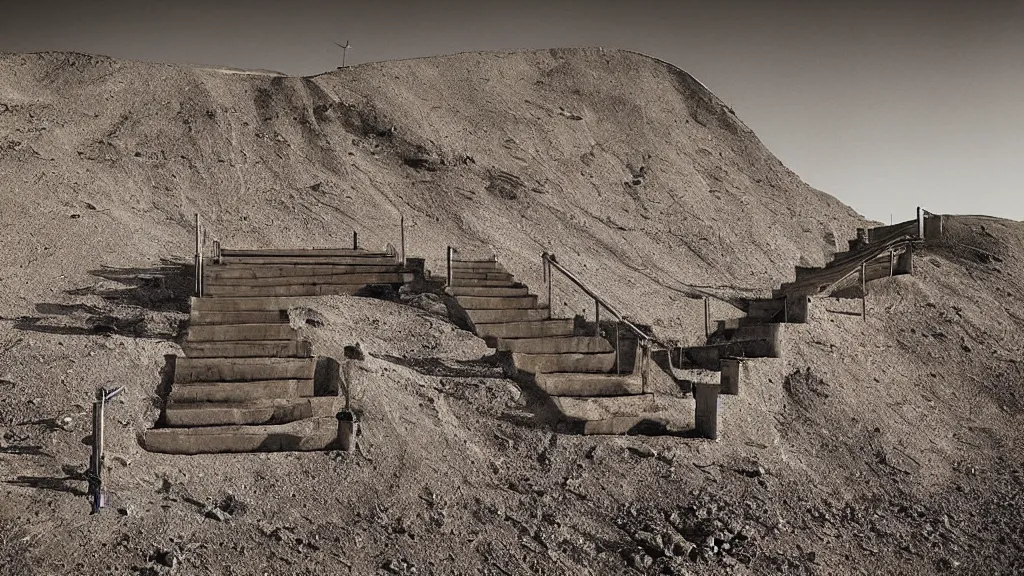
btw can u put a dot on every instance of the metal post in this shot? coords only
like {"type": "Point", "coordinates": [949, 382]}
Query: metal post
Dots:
{"type": "Point", "coordinates": [597, 318]}
{"type": "Point", "coordinates": [551, 305]}
{"type": "Point", "coordinates": [863, 291]}
{"type": "Point", "coordinates": [785, 310]}
{"type": "Point", "coordinates": [618, 366]}
{"type": "Point", "coordinates": [402, 225]}
{"type": "Point", "coordinates": [216, 251]}
{"type": "Point", "coordinates": [707, 318]}
{"type": "Point", "coordinates": [892, 262]}
{"type": "Point", "coordinates": [355, 240]}
{"type": "Point", "coordinates": [448, 259]}
{"type": "Point", "coordinates": [96, 460]}
{"type": "Point", "coordinates": [199, 259]}
{"type": "Point", "coordinates": [920, 223]}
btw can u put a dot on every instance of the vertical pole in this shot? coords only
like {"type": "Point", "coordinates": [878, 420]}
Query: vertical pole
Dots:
{"type": "Point", "coordinates": [863, 291]}
{"type": "Point", "coordinates": [355, 240]}
{"type": "Point", "coordinates": [707, 318]}
{"type": "Point", "coordinates": [618, 366]}
{"type": "Point", "coordinates": [199, 258]}
{"type": "Point", "coordinates": [597, 318]}
{"type": "Point", "coordinates": [785, 310]}
{"type": "Point", "coordinates": [96, 461]}
{"type": "Point", "coordinates": [402, 225]}
{"type": "Point", "coordinates": [448, 260]}
{"type": "Point", "coordinates": [551, 305]}
{"type": "Point", "coordinates": [920, 223]}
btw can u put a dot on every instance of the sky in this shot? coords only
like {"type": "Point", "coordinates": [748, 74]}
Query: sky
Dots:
{"type": "Point", "coordinates": [885, 105]}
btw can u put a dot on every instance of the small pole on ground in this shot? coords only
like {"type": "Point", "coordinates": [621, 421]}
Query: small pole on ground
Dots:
{"type": "Point", "coordinates": [920, 223]}
{"type": "Point", "coordinates": [95, 475]}
{"type": "Point", "coordinates": [618, 367]}
{"type": "Point", "coordinates": [199, 259]}
{"type": "Point", "coordinates": [597, 318]}
{"type": "Point", "coordinates": [344, 55]}
{"type": "Point", "coordinates": [355, 240]}
{"type": "Point", "coordinates": [785, 310]}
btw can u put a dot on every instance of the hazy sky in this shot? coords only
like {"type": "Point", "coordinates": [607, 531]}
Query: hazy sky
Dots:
{"type": "Point", "coordinates": [886, 105]}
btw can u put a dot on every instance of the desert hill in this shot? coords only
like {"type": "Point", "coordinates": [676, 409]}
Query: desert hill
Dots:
{"type": "Point", "coordinates": [880, 446]}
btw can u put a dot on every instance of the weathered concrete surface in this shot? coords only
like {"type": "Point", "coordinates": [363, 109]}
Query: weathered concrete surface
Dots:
{"type": "Point", "coordinates": [251, 271]}
{"type": "Point", "coordinates": [555, 345]}
{"type": "Point", "coordinates": [201, 317]}
{"type": "Point", "coordinates": [489, 291]}
{"type": "Point", "coordinates": [509, 315]}
{"type": "Point", "coordinates": [273, 411]}
{"type": "Point", "coordinates": [241, 391]}
{"type": "Point", "coordinates": [621, 425]}
{"type": "Point", "coordinates": [731, 376]}
{"type": "Point", "coordinates": [604, 408]}
{"type": "Point", "coordinates": [543, 363]}
{"type": "Point", "coordinates": [537, 329]}
{"type": "Point", "coordinates": [482, 303]}
{"type": "Point", "coordinates": [293, 290]}
{"type": "Point", "coordinates": [249, 349]}
{"type": "Point", "coordinates": [481, 265]}
{"type": "Point", "coordinates": [242, 369]}
{"type": "Point", "coordinates": [303, 435]}
{"type": "Point", "coordinates": [240, 332]}
{"type": "Point", "coordinates": [287, 253]}
{"type": "Point", "coordinates": [312, 260]}
{"type": "Point", "coordinates": [243, 304]}
{"type": "Point", "coordinates": [575, 384]}
{"type": "Point", "coordinates": [477, 282]}
{"type": "Point", "coordinates": [473, 275]}
{"type": "Point", "coordinates": [320, 279]}
{"type": "Point", "coordinates": [705, 414]}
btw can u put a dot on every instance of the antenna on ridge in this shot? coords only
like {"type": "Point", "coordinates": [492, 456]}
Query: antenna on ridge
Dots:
{"type": "Point", "coordinates": [345, 47]}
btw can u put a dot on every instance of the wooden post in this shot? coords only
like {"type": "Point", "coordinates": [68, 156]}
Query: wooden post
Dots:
{"type": "Point", "coordinates": [920, 223]}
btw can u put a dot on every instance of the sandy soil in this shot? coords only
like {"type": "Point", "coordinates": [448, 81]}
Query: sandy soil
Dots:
{"type": "Point", "coordinates": [881, 446]}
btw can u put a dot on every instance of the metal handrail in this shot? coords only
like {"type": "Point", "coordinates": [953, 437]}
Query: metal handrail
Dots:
{"type": "Point", "coordinates": [550, 260]}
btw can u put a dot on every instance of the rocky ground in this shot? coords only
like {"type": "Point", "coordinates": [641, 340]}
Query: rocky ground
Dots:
{"type": "Point", "coordinates": [885, 445]}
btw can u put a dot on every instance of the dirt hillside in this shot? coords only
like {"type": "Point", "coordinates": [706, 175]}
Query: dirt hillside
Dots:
{"type": "Point", "coordinates": [881, 446]}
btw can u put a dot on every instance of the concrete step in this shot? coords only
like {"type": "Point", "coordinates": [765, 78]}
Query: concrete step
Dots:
{"type": "Point", "coordinates": [596, 409]}
{"type": "Point", "coordinates": [312, 260]}
{"type": "Point", "coordinates": [241, 391]}
{"type": "Point", "coordinates": [303, 435]}
{"type": "Point", "coordinates": [321, 279]}
{"type": "Point", "coordinates": [477, 265]}
{"type": "Point", "coordinates": [508, 315]}
{"type": "Point", "coordinates": [555, 345]}
{"type": "Point", "coordinates": [575, 384]}
{"type": "Point", "coordinates": [274, 411]}
{"type": "Point", "coordinates": [242, 369]}
{"type": "Point", "coordinates": [247, 304]}
{"type": "Point", "coordinates": [479, 283]}
{"type": "Point", "coordinates": [544, 363]}
{"type": "Point", "coordinates": [220, 333]}
{"type": "Point", "coordinates": [303, 253]}
{"type": "Point", "coordinates": [537, 329]}
{"type": "Point", "coordinates": [623, 425]}
{"type": "Point", "coordinates": [232, 271]}
{"type": "Point", "coordinates": [251, 349]}
{"type": "Point", "coordinates": [282, 291]}
{"type": "Point", "coordinates": [472, 275]}
{"type": "Point", "coordinates": [489, 291]}
{"type": "Point", "coordinates": [485, 303]}
{"type": "Point", "coordinates": [203, 317]}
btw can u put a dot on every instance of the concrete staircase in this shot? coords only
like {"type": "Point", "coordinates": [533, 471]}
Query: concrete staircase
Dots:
{"type": "Point", "coordinates": [593, 388]}
{"type": "Point", "coordinates": [247, 382]}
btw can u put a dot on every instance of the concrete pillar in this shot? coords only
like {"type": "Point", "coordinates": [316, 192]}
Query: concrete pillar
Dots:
{"type": "Point", "coordinates": [706, 409]}
{"type": "Point", "coordinates": [798, 308]}
{"type": "Point", "coordinates": [731, 376]}
{"type": "Point", "coordinates": [905, 261]}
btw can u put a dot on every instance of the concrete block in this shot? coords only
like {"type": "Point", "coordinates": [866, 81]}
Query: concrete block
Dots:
{"type": "Point", "coordinates": [240, 332]}
{"type": "Point", "coordinates": [573, 384]}
{"type": "Point", "coordinates": [209, 304]}
{"type": "Point", "coordinates": [250, 349]}
{"type": "Point", "coordinates": [555, 345]}
{"type": "Point", "coordinates": [489, 291]}
{"type": "Point", "coordinates": [252, 271]}
{"type": "Point", "coordinates": [203, 317]}
{"type": "Point", "coordinates": [241, 391]}
{"type": "Point", "coordinates": [242, 369]}
{"type": "Point", "coordinates": [573, 408]}
{"type": "Point", "coordinates": [544, 363]}
{"type": "Point", "coordinates": [272, 411]}
{"type": "Point", "coordinates": [731, 376]}
{"type": "Point", "coordinates": [508, 315]}
{"type": "Point", "coordinates": [537, 329]}
{"type": "Point", "coordinates": [706, 409]}
{"type": "Point", "coordinates": [483, 303]}
{"type": "Point", "coordinates": [303, 435]}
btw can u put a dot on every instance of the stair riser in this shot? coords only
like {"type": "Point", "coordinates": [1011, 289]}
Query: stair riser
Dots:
{"type": "Point", "coordinates": [576, 344]}
{"type": "Point", "coordinates": [264, 349]}
{"type": "Point", "coordinates": [465, 275]}
{"type": "Point", "coordinates": [546, 363]}
{"type": "Point", "coordinates": [241, 391]}
{"type": "Point", "coordinates": [479, 303]}
{"type": "Point", "coordinates": [584, 385]}
{"type": "Point", "coordinates": [544, 329]}
{"type": "Point", "coordinates": [241, 332]}
{"type": "Point", "coordinates": [306, 435]}
{"type": "Point", "coordinates": [268, 412]}
{"type": "Point", "coordinates": [283, 291]}
{"type": "Point", "coordinates": [475, 283]}
{"type": "Point", "coordinates": [242, 369]}
{"type": "Point", "coordinates": [308, 253]}
{"type": "Point", "coordinates": [476, 266]}
{"type": "Point", "coordinates": [310, 260]}
{"type": "Point", "coordinates": [489, 292]}
{"type": "Point", "coordinates": [513, 315]}
{"type": "Point", "coordinates": [201, 317]}
{"type": "Point", "coordinates": [332, 279]}
{"type": "Point", "coordinates": [238, 271]}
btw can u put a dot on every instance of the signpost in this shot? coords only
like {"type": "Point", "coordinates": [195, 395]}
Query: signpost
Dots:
{"type": "Point", "coordinates": [95, 474]}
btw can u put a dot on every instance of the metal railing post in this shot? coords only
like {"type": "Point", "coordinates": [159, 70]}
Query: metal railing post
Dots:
{"type": "Point", "coordinates": [597, 318]}
{"type": "Point", "coordinates": [864, 291]}
{"type": "Point", "coordinates": [355, 240]}
{"type": "Point", "coordinates": [402, 226]}
{"type": "Point", "coordinates": [618, 366]}
{"type": "Point", "coordinates": [199, 259]}
{"type": "Point", "coordinates": [707, 318]}
{"type": "Point", "coordinates": [95, 475]}
{"type": "Point", "coordinates": [448, 259]}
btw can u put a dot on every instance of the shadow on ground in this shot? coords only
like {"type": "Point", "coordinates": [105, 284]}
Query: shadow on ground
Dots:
{"type": "Point", "coordinates": [138, 302]}
{"type": "Point", "coordinates": [482, 368]}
